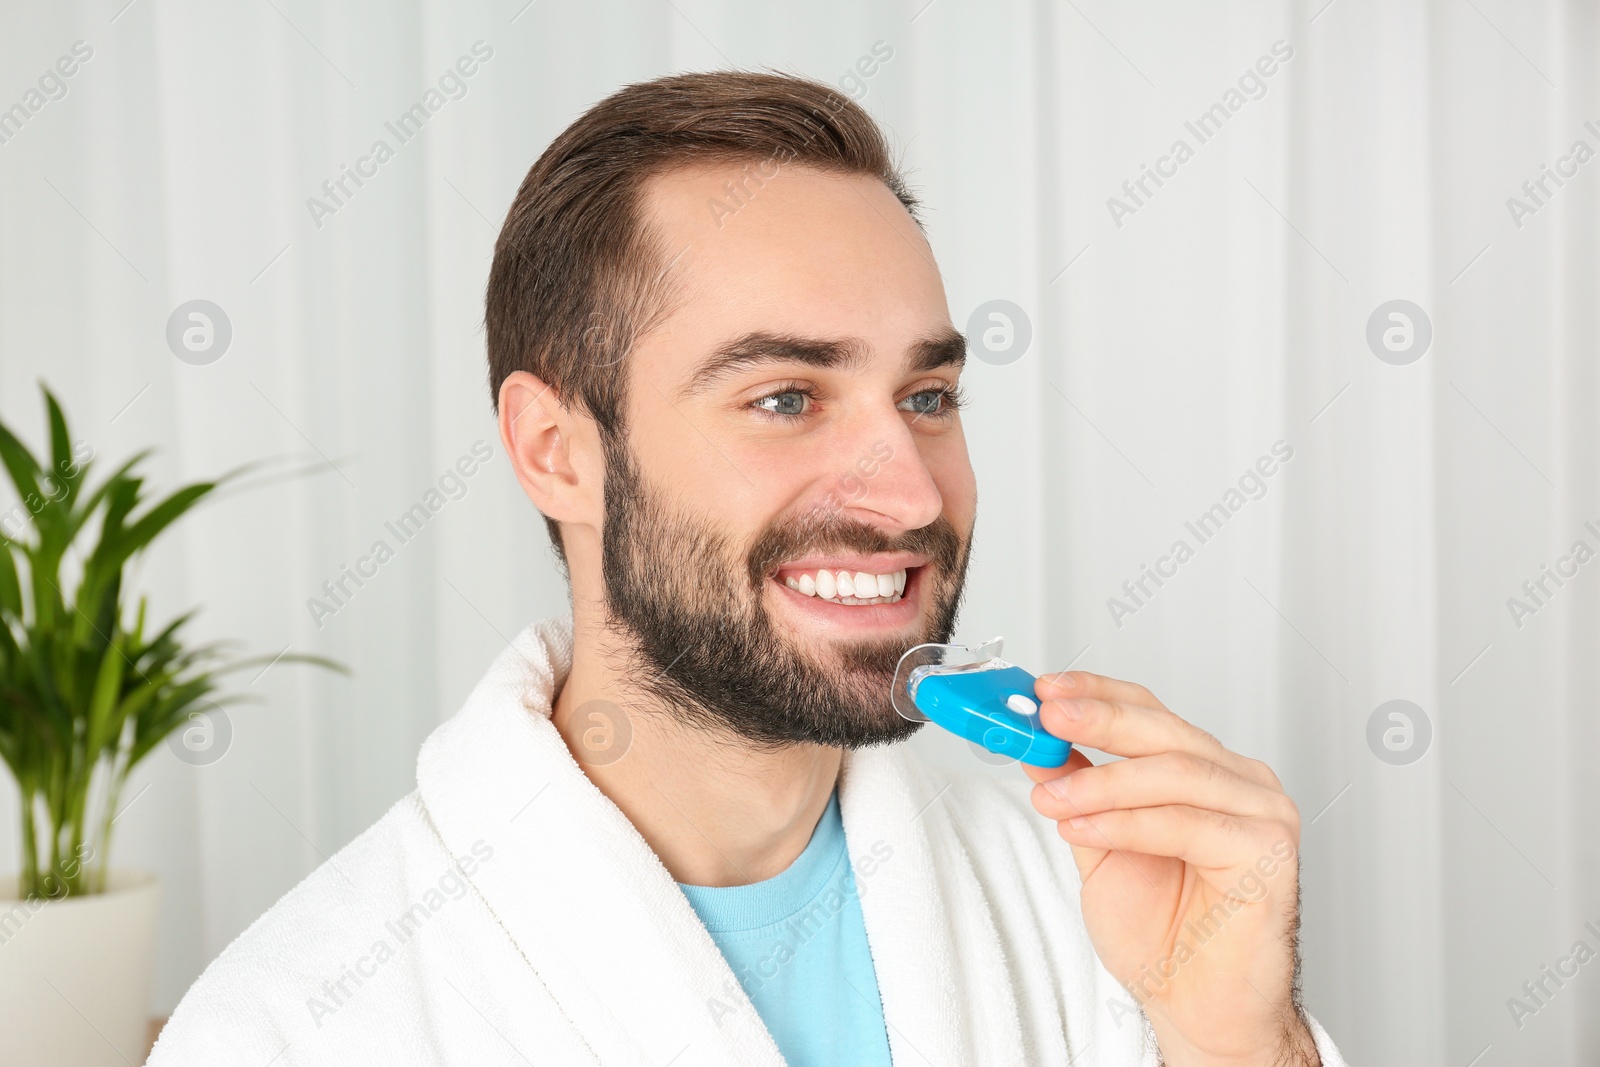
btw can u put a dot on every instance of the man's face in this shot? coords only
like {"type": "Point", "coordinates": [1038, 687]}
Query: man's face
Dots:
{"type": "Point", "coordinates": [792, 504]}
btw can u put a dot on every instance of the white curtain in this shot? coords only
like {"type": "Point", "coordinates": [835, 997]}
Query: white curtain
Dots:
{"type": "Point", "coordinates": [1341, 155]}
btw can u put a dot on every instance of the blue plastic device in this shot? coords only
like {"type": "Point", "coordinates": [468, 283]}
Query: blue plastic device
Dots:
{"type": "Point", "coordinates": [971, 692]}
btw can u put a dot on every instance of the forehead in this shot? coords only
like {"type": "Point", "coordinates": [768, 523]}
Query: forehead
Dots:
{"type": "Point", "coordinates": [787, 250]}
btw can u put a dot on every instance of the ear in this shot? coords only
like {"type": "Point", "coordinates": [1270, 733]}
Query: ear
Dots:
{"type": "Point", "coordinates": [554, 454]}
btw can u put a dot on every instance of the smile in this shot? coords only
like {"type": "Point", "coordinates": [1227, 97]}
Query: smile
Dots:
{"type": "Point", "coordinates": [849, 587]}
{"type": "Point", "coordinates": [859, 591]}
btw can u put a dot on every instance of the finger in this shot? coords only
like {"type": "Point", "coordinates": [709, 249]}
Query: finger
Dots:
{"type": "Point", "coordinates": [1075, 762]}
{"type": "Point", "coordinates": [1064, 684]}
{"type": "Point", "coordinates": [1070, 684]}
{"type": "Point", "coordinates": [1162, 779]}
{"type": "Point", "coordinates": [1209, 840]}
{"type": "Point", "coordinates": [1131, 730]}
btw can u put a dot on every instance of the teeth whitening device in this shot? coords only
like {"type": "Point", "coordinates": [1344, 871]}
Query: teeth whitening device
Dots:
{"type": "Point", "coordinates": [973, 693]}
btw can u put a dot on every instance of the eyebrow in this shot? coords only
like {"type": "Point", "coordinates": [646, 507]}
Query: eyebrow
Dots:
{"type": "Point", "coordinates": [946, 348]}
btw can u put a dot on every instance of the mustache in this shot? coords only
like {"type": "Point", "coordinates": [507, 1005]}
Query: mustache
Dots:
{"type": "Point", "coordinates": [823, 531]}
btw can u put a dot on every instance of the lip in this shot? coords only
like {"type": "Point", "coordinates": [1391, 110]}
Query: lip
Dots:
{"type": "Point", "coordinates": [875, 563]}
{"type": "Point", "coordinates": [854, 618]}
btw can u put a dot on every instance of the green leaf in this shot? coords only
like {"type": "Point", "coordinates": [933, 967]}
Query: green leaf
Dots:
{"type": "Point", "coordinates": [22, 467]}
{"type": "Point", "coordinates": [86, 504]}
{"type": "Point", "coordinates": [62, 467]}
{"type": "Point", "coordinates": [288, 657]}
{"type": "Point", "coordinates": [158, 518]}
{"type": "Point", "coordinates": [103, 725]}
{"type": "Point", "coordinates": [10, 588]}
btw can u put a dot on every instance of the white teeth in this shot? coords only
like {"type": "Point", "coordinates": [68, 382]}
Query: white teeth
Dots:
{"type": "Point", "coordinates": [850, 587]}
{"type": "Point", "coordinates": [825, 585]}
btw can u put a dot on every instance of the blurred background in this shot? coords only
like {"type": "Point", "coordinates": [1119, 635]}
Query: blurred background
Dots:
{"type": "Point", "coordinates": [1370, 268]}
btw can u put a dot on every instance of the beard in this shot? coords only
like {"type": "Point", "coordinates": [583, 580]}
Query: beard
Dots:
{"type": "Point", "coordinates": [689, 608]}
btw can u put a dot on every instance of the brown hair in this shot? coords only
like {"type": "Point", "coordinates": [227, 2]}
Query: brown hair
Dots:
{"type": "Point", "coordinates": [577, 278]}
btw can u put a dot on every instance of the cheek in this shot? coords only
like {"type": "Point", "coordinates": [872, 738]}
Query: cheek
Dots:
{"type": "Point", "coordinates": [951, 470]}
{"type": "Point", "coordinates": [725, 486]}
{"type": "Point", "coordinates": [789, 482]}
{"type": "Point", "coordinates": [686, 463]}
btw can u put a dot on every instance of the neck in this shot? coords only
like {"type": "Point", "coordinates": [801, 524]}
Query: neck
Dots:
{"type": "Point", "coordinates": [716, 810]}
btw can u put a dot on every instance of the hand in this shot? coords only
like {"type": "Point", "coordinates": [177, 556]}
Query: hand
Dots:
{"type": "Point", "coordinates": [1189, 858]}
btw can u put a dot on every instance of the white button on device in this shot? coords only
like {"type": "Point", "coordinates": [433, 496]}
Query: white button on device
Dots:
{"type": "Point", "coordinates": [1021, 704]}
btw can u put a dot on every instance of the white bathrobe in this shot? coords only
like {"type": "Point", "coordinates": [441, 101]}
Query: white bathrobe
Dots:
{"type": "Point", "coordinates": [506, 912]}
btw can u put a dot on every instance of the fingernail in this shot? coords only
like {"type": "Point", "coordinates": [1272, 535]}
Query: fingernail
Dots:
{"type": "Point", "coordinates": [1063, 680]}
{"type": "Point", "coordinates": [1058, 786]}
{"type": "Point", "coordinates": [1079, 823]}
{"type": "Point", "coordinates": [1071, 709]}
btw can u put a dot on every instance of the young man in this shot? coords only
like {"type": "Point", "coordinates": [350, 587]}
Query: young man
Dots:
{"type": "Point", "coordinates": [675, 828]}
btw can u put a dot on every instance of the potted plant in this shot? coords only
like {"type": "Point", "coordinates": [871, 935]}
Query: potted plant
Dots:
{"type": "Point", "coordinates": [88, 688]}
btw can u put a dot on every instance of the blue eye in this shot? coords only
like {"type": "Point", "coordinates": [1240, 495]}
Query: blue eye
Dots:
{"type": "Point", "coordinates": [939, 403]}
{"type": "Point", "coordinates": [786, 402]}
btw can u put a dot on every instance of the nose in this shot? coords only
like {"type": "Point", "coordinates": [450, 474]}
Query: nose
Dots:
{"type": "Point", "coordinates": [886, 482]}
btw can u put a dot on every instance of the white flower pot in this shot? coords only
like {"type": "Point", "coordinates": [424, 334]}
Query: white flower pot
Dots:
{"type": "Point", "coordinates": [75, 974]}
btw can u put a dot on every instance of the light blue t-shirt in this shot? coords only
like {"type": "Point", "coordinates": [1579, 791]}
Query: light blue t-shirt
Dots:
{"type": "Point", "coordinates": [798, 945]}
